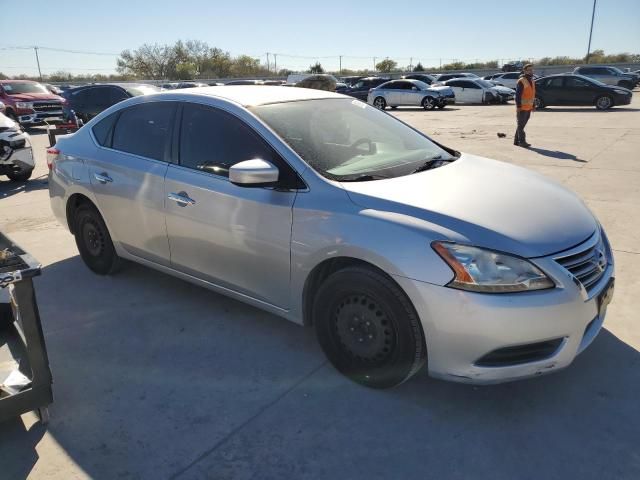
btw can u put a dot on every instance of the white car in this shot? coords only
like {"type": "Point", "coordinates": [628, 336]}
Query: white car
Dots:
{"type": "Point", "coordinates": [474, 90]}
{"type": "Point", "coordinates": [509, 79]}
{"type": "Point", "coordinates": [16, 156]}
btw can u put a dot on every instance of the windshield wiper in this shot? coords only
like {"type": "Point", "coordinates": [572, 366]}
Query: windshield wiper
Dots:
{"type": "Point", "coordinates": [365, 177]}
{"type": "Point", "coordinates": [433, 162]}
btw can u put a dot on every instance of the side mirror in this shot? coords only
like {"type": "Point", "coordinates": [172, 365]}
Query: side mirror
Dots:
{"type": "Point", "coordinates": [254, 173]}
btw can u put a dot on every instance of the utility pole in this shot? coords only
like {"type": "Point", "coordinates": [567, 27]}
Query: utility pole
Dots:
{"type": "Point", "coordinates": [374, 64]}
{"type": "Point", "coordinates": [593, 14]}
{"type": "Point", "coordinates": [275, 63]}
{"type": "Point", "coordinates": [38, 61]}
{"type": "Point", "coordinates": [340, 64]}
{"type": "Point", "coordinates": [268, 66]}
{"type": "Point", "coordinates": [441, 64]}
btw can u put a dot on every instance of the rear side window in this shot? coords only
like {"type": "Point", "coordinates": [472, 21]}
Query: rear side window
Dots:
{"type": "Point", "coordinates": [554, 82]}
{"type": "Point", "coordinates": [145, 130]}
{"type": "Point", "coordinates": [102, 130]}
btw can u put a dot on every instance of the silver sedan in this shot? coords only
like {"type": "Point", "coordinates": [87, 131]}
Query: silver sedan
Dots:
{"type": "Point", "coordinates": [326, 211]}
{"type": "Point", "coordinates": [408, 92]}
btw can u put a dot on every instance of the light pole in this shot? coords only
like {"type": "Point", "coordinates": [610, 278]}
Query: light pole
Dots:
{"type": "Point", "coordinates": [593, 14]}
{"type": "Point", "coordinates": [38, 61]}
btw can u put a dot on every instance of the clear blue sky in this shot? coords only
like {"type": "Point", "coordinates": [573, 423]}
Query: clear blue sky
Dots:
{"type": "Point", "coordinates": [425, 30]}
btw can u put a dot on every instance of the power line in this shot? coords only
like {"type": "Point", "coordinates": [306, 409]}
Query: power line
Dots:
{"type": "Point", "coordinates": [62, 50]}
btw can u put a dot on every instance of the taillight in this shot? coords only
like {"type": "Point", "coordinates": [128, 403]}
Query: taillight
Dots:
{"type": "Point", "coordinates": [52, 154]}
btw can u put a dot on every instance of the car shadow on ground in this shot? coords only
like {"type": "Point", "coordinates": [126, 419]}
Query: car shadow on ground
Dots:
{"type": "Point", "coordinates": [9, 188]}
{"type": "Point", "coordinates": [556, 154]}
{"type": "Point", "coordinates": [420, 109]}
{"type": "Point", "coordinates": [155, 377]}
{"type": "Point", "coordinates": [36, 130]}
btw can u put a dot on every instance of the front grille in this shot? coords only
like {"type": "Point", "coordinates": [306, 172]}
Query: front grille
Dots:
{"type": "Point", "coordinates": [531, 352]}
{"type": "Point", "coordinates": [47, 106]}
{"type": "Point", "coordinates": [587, 266]}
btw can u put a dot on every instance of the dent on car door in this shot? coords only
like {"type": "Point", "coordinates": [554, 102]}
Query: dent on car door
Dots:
{"type": "Point", "coordinates": [235, 237]}
{"type": "Point", "coordinates": [127, 178]}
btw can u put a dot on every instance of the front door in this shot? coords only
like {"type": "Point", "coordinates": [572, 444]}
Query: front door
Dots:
{"type": "Point", "coordinates": [127, 178]}
{"type": "Point", "coordinates": [578, 91]}
{"type": "Point", "coordinates": [236, 237]}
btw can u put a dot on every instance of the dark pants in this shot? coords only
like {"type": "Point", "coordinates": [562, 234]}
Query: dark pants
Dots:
{"type": "Point", "coordinates": [523, 118]}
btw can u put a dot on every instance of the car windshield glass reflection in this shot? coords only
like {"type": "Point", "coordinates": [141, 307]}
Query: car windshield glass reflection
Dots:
{"type": "Point", "coordinates": [345, 139]}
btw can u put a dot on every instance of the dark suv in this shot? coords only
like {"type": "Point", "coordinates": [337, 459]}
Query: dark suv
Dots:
{"type": "Point", "coordinates": [89, 100]}
{"type": "Point", "coordinates": [360, 89]}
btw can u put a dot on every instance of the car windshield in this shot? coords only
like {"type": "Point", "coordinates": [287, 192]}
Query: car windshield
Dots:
{"type": "Point", "coordinates": [485, 83]}
{"type": "Point", "coordinates": [142, 89]}
{"type": "Point", "coordinates": [420, 84]}
{"type": "Point", "coordinates": [347, 139]}
{"type": "Point", "coordinates": [19, 87]}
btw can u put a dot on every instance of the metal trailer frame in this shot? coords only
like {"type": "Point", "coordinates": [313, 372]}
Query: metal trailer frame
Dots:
{"type": "Point", "coordinates": [21, 337]}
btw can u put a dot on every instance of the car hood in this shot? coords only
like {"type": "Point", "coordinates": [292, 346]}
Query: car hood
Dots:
{"type": "Point", "coordinates": [502, 89]}
{"type": "Point", "coordinates": [6, 122]}
{"type": "Point", "coordinates": [483, 202]}
{"type": "Point", "coordinates": [31, 97]}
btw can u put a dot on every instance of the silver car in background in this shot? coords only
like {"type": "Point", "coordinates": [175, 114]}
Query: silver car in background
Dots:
{"type": "Point", "coordinates": [609, 75]}
{"type": "Point", "coordinates": [407, 92]}
{"type": "Point", "coordinates": [329, 212]}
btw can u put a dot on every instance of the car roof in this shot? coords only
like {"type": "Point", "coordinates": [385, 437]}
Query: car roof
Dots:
{"type": "Point", "coordinates": [254, 95]}
{"type": "Point", "coordinates": [8, 80]}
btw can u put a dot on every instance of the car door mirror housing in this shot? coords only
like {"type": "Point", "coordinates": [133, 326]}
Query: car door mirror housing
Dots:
{"type": "Point", "coordinates": [254, 173]}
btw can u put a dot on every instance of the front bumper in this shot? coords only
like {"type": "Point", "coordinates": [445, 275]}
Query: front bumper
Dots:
{"type": "Point", "coordinates": [38, 118]}
{"type": "Point", "coordinates": [447, 100]}
{"type": "Point", "coordinates": [17, 152]}
{"type": "Point", "coordinates": [463, 327]}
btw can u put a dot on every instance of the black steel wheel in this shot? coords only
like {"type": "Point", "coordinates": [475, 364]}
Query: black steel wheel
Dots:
{"type": "Point", "coordinates": [368, 328]}
{"type": "Point", "coordinates": [94, 242]}
{"type": "Point", "coordinates": [20, 175]}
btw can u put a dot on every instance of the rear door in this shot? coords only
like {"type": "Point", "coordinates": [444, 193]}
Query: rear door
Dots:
{"type": "Point", "coordinates": [456, 86]}
{"type": "Point", "coordinates": [127, 177]}
{"type": "Point", "coordinates": [235, 237]}
{"type": "Point", "coordinates": [554, 92]}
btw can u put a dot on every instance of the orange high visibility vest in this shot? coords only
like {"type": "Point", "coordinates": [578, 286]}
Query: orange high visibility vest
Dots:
{"type": "Point", "coordinates": [528, 94]}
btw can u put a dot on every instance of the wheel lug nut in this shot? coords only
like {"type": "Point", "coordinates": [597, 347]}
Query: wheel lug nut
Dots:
{"type": "Point", "coordinates": [370, 336]}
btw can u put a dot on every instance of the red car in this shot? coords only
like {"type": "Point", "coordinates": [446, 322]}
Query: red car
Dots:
{"type": "Point", "coordinates": [30, 103]}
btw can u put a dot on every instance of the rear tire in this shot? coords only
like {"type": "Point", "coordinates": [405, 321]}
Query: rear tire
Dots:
{"type": "Point", "coordinates": [380, 103]}
{"type": "Point", "coordinates": [428, 103]}
{"type": "Point", "coordinates": [368, 328]}
{"type": "Point", "coordinates": [20, 176]}
{"type": "Point", "coordinates": [94, 241]}
{"type": "Point", "coordinates": [604, 102]}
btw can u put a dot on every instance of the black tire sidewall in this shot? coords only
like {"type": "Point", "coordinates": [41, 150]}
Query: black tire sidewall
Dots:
{"type": "Point", "coordinates": [409, 352]}
{"type": "Point", "coordinates": [384, 102]}
{"type": "Point", "coordinates": [22, 176]}
{"type": "Point", "coordinates": [106, 262]}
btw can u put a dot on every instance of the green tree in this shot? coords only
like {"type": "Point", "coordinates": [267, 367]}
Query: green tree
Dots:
{"type": "Point", "coordinates": [387, 65]}
{"type": "Point", "coordinates": [418, 68]}
{"type": "Point", "coordinates": [316, 68]}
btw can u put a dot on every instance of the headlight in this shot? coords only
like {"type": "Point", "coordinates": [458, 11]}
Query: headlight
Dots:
{"type": "Point", "coordinates": [621, 92]}
{"type": "Point", "coordinates": [24, 105]}
{"type": "Point", "coordinates": [481, 270]}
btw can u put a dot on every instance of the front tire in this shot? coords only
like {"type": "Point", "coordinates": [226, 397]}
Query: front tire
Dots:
{"type": "Point", "coordinates": [368, 328]}
{"type": "Point", "coordinates": [429, 103]}
{"type": "Point", "coordinates": [94, 241]}
{"type": "Point", "coordinates": [538, 102]}
{"type": "Point", "coordinates": [604, 102]}
{"type": "Point", "coordinates": [380, 103]}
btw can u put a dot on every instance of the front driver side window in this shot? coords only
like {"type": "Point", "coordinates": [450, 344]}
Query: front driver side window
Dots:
{"type": "Point", "coordinates": [212, 140]}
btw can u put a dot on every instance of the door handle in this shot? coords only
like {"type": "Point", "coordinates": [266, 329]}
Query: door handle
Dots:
{"type": "Point", "coordinates": [181, 198]}
{"type": "Point", "coordinates": [103, 177]}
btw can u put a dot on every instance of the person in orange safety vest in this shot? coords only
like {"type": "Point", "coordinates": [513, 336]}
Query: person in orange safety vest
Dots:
{"type": "Point", "coordinates": [525, 96]}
